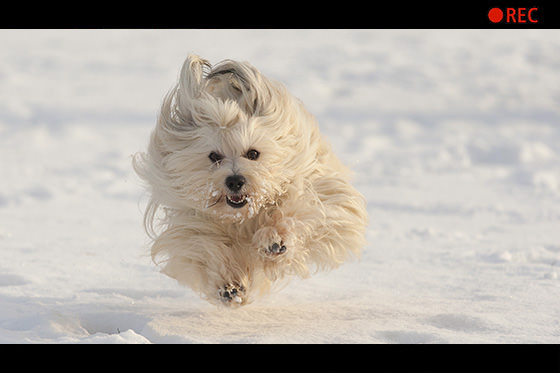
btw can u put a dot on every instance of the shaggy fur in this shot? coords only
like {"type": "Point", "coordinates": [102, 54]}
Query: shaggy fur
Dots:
{"type": "Point", "coordinates": [244, 189]}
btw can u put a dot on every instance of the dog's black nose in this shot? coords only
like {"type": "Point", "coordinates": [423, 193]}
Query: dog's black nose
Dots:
{"type": "Point", "coordinates": [235, 182]}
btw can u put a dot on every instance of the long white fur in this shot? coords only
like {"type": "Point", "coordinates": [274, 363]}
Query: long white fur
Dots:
{"type": "Point", "coordinates": [298, 192]}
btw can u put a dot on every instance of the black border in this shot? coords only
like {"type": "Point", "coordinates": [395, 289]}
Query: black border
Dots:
{"type": "Point", "coordinates": [404, 358]}
{"type": "Point", "coordinates": [334, 14]}
{"type": "Point", "coordinates": [289, 358]}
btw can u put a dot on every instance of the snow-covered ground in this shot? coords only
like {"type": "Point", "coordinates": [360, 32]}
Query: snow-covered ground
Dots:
{"type": "Point", "coordinates": [454, 136]}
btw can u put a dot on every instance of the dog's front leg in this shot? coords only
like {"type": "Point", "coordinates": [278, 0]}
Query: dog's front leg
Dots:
{"type": "Point", "coordinates": [206, 261]}
{"type": "Point", "coordinates": [281, 240]}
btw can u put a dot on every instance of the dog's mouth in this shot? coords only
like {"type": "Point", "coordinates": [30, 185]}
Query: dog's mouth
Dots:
{"type": "Point", "coordinates": [236, 201]}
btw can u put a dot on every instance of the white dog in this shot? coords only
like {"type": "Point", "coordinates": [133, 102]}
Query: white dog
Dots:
{"type": "Point", "coordinates": [244, 187]}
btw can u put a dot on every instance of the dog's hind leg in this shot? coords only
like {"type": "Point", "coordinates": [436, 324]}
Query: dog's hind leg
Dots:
{"type": "Point", "coordinates": [343, 233]}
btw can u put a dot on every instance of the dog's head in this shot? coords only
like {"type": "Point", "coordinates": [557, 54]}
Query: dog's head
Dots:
{"type": "Point", "coordinates": [228, 142]}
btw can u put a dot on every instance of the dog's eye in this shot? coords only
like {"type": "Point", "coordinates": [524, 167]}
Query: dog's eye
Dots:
{"type": "Point", "coordinates": [215, 157]}
{"type": "Point", "coordinates": [252, 154]}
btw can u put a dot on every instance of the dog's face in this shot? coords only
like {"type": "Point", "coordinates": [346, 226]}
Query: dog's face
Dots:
{"type": "Point", "coordinates": [234, 170]}
{"type": "Point", "coordinates": [229, 142]}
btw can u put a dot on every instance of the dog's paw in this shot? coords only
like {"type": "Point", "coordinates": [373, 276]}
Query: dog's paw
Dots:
{"type": "Point", "coordinates": [275, 249]}
{"type": "Point", "coordinates": [232, 294]}
{"type": "Point", "coordinates": [269, 242]}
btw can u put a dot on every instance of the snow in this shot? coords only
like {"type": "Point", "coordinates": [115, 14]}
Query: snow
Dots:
{"type": "Point", "coordinates": [453, 136]}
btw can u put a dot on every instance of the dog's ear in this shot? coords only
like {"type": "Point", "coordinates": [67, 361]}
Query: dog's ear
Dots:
{"type": "Point", "coordinates": [240, 82]}
{"type": "Point", "coordinates": [192, 72]}
{"type": "Point", "coordinates": [177, 105]}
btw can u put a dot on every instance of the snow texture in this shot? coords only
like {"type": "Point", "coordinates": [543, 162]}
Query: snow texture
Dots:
{"type": "Point", "coordinates": [453, 136]}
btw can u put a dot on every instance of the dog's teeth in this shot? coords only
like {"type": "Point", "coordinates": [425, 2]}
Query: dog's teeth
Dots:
{"type": "Point", "coordinates": [236, 200]}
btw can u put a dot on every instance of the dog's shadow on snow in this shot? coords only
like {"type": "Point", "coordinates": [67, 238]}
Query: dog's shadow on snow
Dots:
{"type": "Point", "coordinates": [265, 322]}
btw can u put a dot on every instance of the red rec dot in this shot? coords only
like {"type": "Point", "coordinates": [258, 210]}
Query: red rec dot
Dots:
{"type": "Point", "coordinates": [495, 15]}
